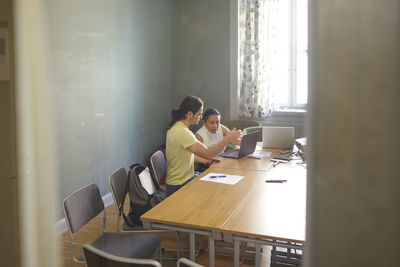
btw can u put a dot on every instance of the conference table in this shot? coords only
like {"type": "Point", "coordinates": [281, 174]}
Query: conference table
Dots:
{"type": "Point", "coordinates": [252, 210]}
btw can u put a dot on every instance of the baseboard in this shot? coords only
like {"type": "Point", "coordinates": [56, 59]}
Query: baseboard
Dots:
{"type": "Point", "coordinates": [61, 225]}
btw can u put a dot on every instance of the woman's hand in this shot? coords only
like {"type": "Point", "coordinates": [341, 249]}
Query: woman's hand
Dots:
{"type": "Point", "coordinates": [214, 160]}
{"type": "Point", "coordinates": [234, 136]}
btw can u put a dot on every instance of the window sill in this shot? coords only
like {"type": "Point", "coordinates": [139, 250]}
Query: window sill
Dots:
{"type": "Point", "coordinates": [284, 115]}
{"type": "Point", "coordinates": [289, 112]}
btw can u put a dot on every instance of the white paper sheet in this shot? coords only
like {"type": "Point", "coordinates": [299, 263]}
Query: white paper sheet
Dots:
{"type": "Point", "coordinates": [285, 172]}
{"type": "Point", "coordinates": [222, 178]}
{"type": "Point", "coordinates": [259, 155]}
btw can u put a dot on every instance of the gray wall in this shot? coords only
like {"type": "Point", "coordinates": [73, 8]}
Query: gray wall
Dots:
{"type": "Point", "coordinates": [353, 207]}
{"type": "Point", "coordinates": [203, 52]}
{"type": "Point", "coordinates": [119, 67]}
{"type": "Point", "coordinates": [111, 76]}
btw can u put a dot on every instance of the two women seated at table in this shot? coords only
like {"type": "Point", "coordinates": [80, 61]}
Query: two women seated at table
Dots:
{"type": "Point", "coordinates": [183, 149]}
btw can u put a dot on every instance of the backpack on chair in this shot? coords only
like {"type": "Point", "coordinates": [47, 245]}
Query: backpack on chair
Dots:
{"type": "Point", "coordinates": [144, 193]}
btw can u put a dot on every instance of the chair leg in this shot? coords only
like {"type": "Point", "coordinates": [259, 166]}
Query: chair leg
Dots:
{"type": "Point", "coordinates": [243, 252]}
{"type": "Point", "coordinates": [71, 256]}
{"type": "Point", "coordinates": [177, 244]}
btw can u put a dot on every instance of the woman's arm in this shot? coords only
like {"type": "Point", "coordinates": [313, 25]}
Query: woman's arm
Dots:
{"type": "Point", "coordinates": [199, 138]}
{"type": "Point", "coordinates": [199, 159]}
{"type": "Point", "coordinates": [201, 150]}
{"type": "Point", "coordinates": [226, 131]}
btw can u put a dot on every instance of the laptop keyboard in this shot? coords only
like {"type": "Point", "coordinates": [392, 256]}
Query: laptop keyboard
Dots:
{"type": "Point", "coordinates": [232, 153]}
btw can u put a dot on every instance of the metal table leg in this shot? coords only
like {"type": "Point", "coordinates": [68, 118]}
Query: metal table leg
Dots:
{"type": "Point", "coordinates": [258, 255]}
{"type": "Point", "coordinates": [192, 246]}
{"type": "Point", "coordinates": [236, 253]}
{"type": "Point", "coordinates": [211, 250]}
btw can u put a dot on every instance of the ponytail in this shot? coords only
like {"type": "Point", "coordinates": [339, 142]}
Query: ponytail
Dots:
{"type": "Point", "coordinates": [190, 103]}
{"type": "Point", "coordinates": [176, 116]}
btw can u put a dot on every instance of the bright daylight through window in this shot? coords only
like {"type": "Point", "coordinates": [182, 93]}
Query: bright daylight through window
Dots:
{"type": "Point", "coordinates": [273, 56]}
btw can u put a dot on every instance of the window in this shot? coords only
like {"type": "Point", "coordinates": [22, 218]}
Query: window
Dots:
{"type": "Point", "coordinates": [290, 85]}
{"type": "Point", "coordinates": [276, 32]}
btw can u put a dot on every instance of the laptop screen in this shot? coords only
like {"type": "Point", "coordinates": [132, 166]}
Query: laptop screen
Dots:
{"type": "Point", "coordinates": [278, 137]}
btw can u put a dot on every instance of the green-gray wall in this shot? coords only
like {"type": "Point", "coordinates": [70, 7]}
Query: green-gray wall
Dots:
{"type": "Point", "coordinates": [203, 51]}
{"type": "Point", "coordinates": [117, 68]}
{"type": "Point", "coordinates": [112, 71]}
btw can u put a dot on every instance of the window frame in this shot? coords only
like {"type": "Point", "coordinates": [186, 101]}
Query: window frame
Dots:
{"type": "Point", "coordinates": [293, 109]}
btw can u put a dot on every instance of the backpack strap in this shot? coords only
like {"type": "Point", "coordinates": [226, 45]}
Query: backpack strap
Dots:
{"type": "Point", "coordinates": [155, 182]}
{"type": "Point", "coordinates": [127, 220]}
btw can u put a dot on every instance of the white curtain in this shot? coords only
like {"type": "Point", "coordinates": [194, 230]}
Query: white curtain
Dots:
{"type": "Point", "coordinates": [257, 29]}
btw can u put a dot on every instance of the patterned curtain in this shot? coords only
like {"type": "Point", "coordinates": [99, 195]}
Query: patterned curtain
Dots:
{"type": "Point", "coordinates": [257, 29]}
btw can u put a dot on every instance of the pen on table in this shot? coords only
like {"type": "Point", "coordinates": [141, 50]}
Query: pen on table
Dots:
{"type": "Point", "coordinates": [276, 163]}
{"type": "Point", "coordinates": [217, 176]}
{"type": "Point", "coordinates": [275, 181]}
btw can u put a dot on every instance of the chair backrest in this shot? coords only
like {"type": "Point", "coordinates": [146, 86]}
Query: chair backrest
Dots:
{"type": "Point", "coordinates": [252, 129]}
{"type": "Point", "coordinates": [118, 185]}
{"type": "Point", "coordinates": [82, 206]}
{"type": "Point", "coordinates": [95, 257]}
{"type": "Point", "coordinates": [240, 124]}
{"type": "Point", "coordinates": [159, 165]}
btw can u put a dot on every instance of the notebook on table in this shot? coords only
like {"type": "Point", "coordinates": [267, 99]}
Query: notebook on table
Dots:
{"type": "Point", "coordinates": [248, 145]}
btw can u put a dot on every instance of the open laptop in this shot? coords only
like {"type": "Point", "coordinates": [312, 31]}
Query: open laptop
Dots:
{"type": "Point", "coordinates": [247, 146]}
{"type": "Point", "coordinates": [277, 137]}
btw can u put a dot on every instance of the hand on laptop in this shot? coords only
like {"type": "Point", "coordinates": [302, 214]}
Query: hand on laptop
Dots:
{"type": "Point", "coordinates": [234, 136]}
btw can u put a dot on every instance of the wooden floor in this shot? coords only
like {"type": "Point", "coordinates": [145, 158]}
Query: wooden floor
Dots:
{"type": "Point", "coordinates": [93, 229]}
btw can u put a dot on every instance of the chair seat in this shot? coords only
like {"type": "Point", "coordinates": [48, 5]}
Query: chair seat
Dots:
{"type": "Point", "coordinates": [128, 245]}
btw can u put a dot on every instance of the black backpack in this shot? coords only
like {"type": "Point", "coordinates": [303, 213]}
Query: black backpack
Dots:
{"type": "Point", "coordinates": [140, 200]}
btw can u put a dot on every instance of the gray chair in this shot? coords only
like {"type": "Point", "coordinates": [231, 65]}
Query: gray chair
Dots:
{"type": "Point", "coordinates": [118, 185]}
{"type": "Point", "coordinates": [95, 257]}
{"type": "Point", "coordinates": [159, 165]}
{"type": "Point", "coordinates": [240, 124]}
{"type": "Point", "coordinates": [252, 129]}
{"type": "Point", "coordinates": [84, 205]}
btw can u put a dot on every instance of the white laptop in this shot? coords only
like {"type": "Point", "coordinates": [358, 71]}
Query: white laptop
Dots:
{"type": "Point", "coordinates": [247, 146]}
{"type": "Point", "coordinates": [277, 137]}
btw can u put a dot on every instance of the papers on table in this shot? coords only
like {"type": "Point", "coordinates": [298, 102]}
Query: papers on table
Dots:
{"type": "Point", "coordinates": [222, 178]}
{"type": "Point", "coordinates": [285, 172]}
{"type": "Point", "coordinates": [259, 154]}
{"type": "Point", "coordinates": [258, 148]}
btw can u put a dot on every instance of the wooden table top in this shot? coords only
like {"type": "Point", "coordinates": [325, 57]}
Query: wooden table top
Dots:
{"type": "Point", "coordinates": [251, 207]}
{"type": "Point", "coordinates": [274, 210]}
{"type": "Point", "coordinates": [204, 205]}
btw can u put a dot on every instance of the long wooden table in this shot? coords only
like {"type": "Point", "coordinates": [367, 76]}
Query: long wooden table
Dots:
{"type": "Point", "coordinates": [272, 212]}
{"type": "Point", "coordinates": [251, 210]}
